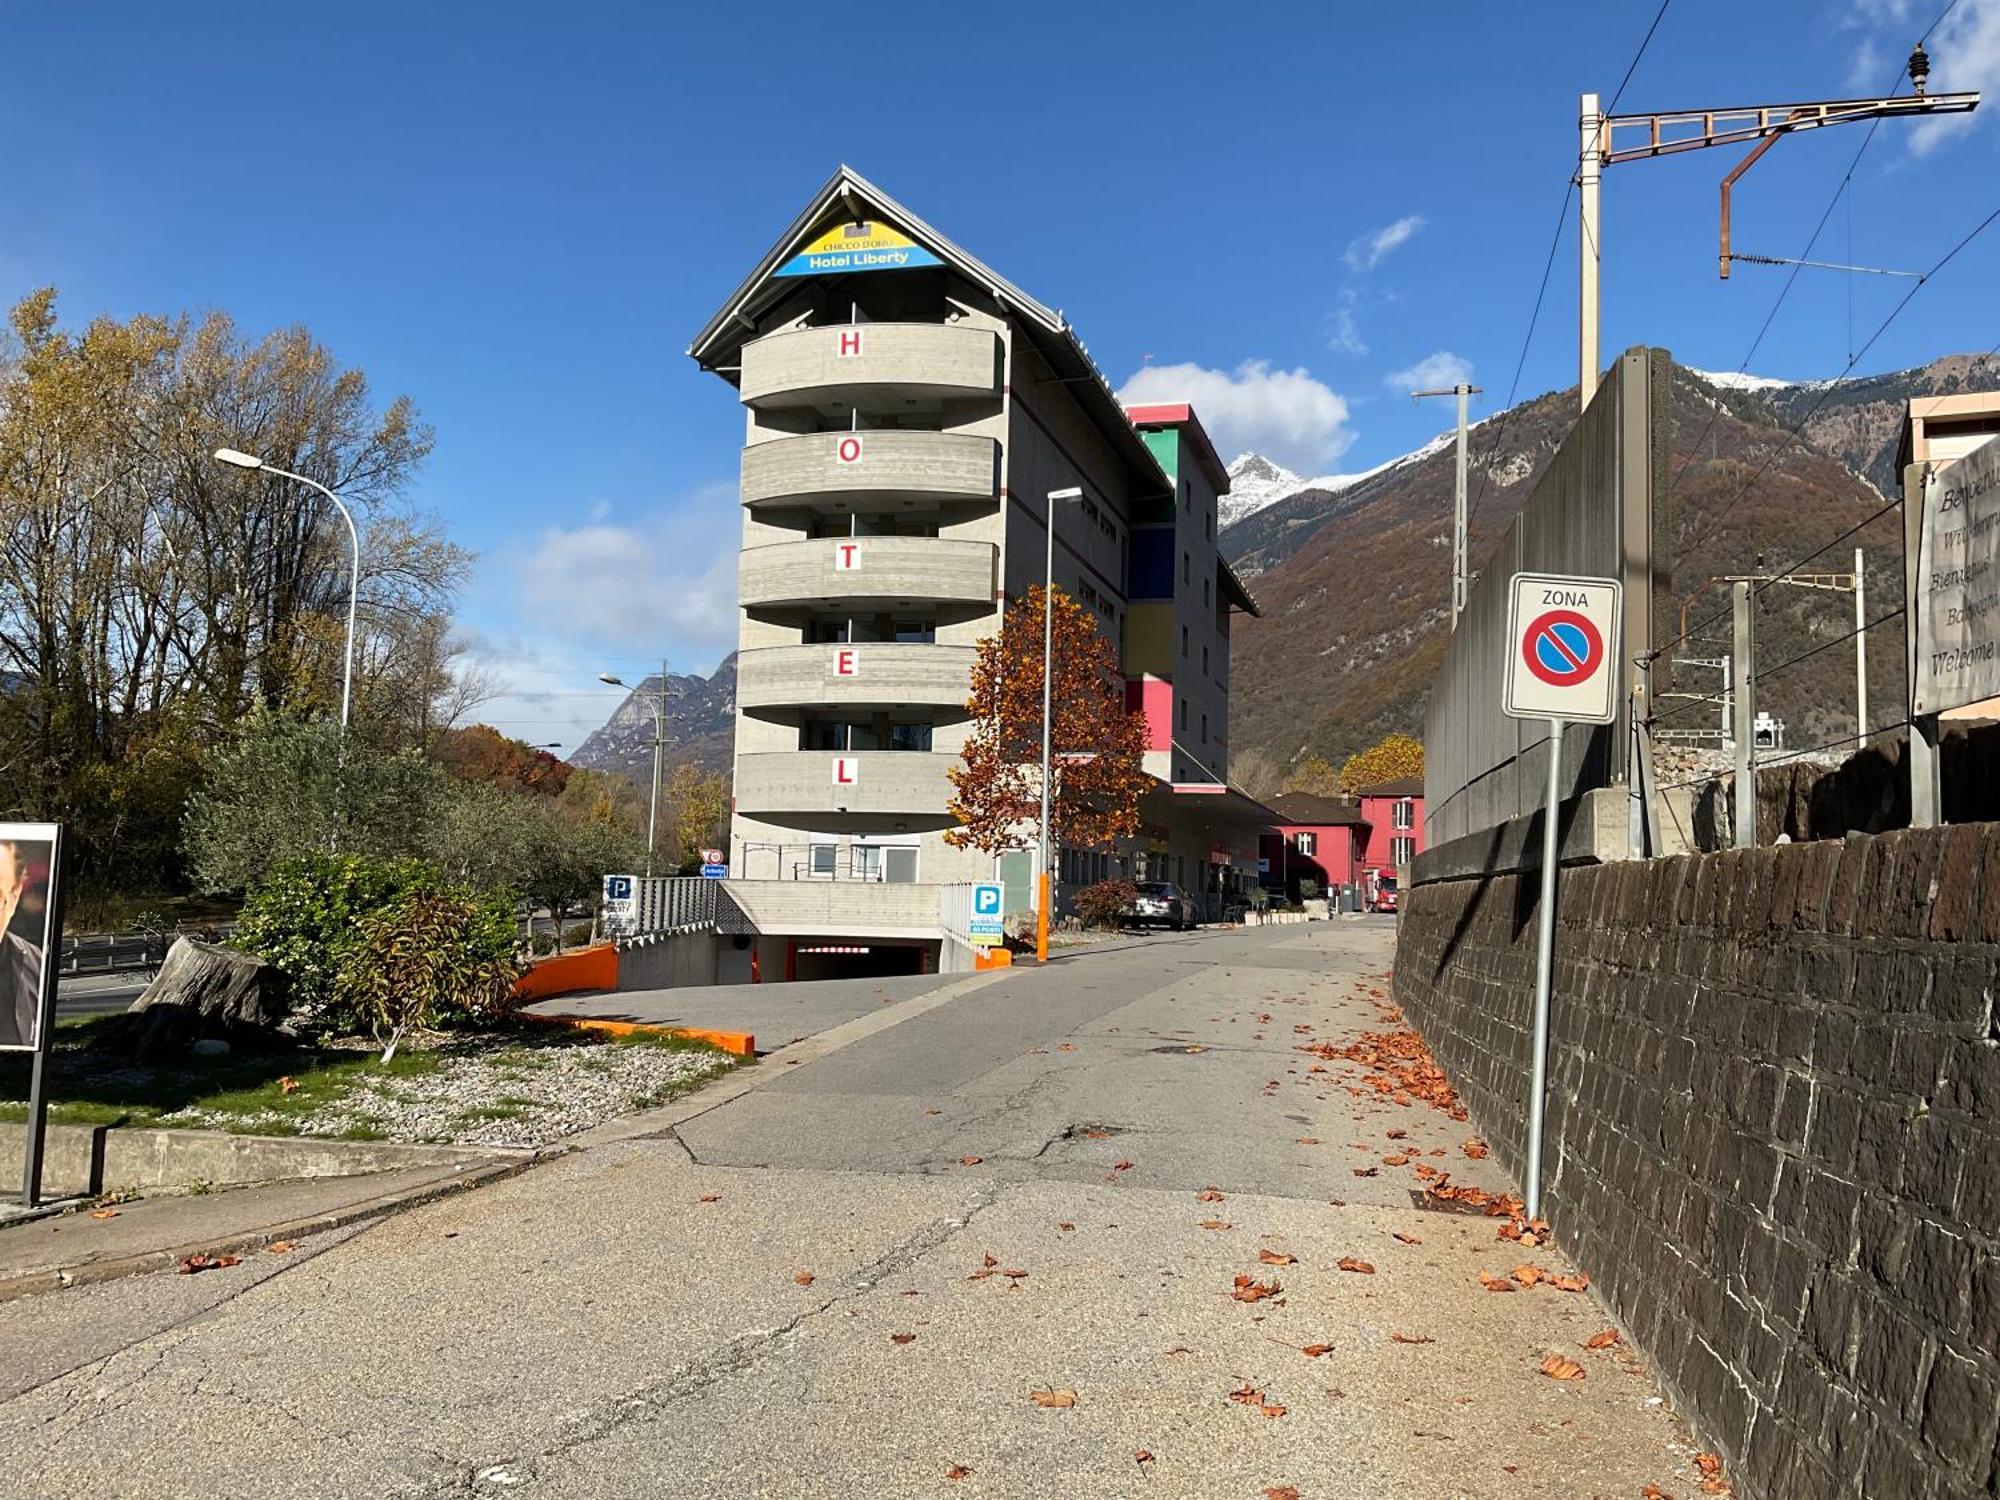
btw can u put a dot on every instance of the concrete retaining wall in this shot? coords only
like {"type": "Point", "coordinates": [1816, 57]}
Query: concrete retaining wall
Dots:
{"type": "Point", "coordinates": [1599, 509]}
{"type": "Point", "coordinates": [89, 1159]}
{"type": "Point", "coordinates": [668, 963]}
{"type": "Point", "coordinates": [1774, 1133]}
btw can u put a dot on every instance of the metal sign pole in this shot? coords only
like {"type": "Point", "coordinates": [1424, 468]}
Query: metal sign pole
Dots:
{"type": "Point", "coordinates": [1545, 944]}
{"type": "Point", "coordinates": [38, 1100]}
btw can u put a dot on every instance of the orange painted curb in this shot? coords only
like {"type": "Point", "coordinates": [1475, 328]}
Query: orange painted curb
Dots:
{"type": "Point", "coordinates": [992, 958]}
{"type": "Point", "coordinates": [742, 1043]}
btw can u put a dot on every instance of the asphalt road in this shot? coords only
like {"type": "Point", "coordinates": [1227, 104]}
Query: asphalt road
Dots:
{"type": "Point", "coordinates": [96, 994]}
{"type": "Point", "coordinates": [846, 1271]}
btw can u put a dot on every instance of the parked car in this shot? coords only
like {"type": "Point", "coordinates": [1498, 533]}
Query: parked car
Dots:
{"type": "Point", "coordinates": [1385, 894]}
{"type": "Point", "coordinates": [1160, 903]}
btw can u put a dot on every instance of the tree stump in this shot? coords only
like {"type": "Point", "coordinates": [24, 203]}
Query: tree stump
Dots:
{"type": "Point", "coordinates": [202, 991]}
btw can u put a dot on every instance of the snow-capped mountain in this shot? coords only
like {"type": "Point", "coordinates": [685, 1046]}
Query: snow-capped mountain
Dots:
{"type": "Point", "coordinates": [1730, 380]}
{"type": "Point", "coordinates": [1256, 483]}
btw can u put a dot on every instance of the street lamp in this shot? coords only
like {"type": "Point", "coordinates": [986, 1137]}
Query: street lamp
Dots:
{"type": "Point", "coordinates": [659, 701]}
{"type": "Point", "coordinates": [1048, 675]}
{"type": "Point", "coordinates": [250, 461]}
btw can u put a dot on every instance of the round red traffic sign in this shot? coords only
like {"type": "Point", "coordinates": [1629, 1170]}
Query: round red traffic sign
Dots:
{"type": "Point", "coordinates": [1562, 647]}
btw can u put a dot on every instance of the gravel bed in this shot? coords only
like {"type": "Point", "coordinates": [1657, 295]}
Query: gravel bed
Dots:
{"type": "Point", "coordinates": [512, 1096]}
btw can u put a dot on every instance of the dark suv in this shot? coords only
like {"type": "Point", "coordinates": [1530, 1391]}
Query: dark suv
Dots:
{"type": "Point", "coordinates": [1160, 903]}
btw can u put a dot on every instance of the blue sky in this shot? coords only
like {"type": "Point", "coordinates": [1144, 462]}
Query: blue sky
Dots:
{"type": "Point", "coordinates": [519, 215]}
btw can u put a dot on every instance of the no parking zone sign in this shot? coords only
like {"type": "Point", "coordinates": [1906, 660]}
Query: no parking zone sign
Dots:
{"type": "Point", "coordinates": [1562, 648]}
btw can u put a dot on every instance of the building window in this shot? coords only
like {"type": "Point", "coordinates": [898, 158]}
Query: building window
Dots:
{"type": "Point", "coordinates": [1183, 713]}
{"type": "Point", "coordinates": [1204, 661]}
{"type": "Point", "coordinates": [1402, 850]}
{"type": "Point", "coordinates": [1204, 594]}
{"type": "Point", "coordinates": [1208, 523]}
{"type": "Point", "coordinates": [823, 859]}
{"type": "Point", "coordinates": [1187, 569]}
{"type": "Point", "coordinates": [1306, 843]}
{"type": "Point", "coordinates": [1406, 813]}
{"type": "Point", "coordinates": [1184, 640]}
{"type": "Point", "coordinates": [1204, 729]}
{"type": "Point", "coordinates": [909, 736]}
{"type": "Point", "coordinates": [899, 865]}
{"type": "Point", "coordinates": [1184, 494]}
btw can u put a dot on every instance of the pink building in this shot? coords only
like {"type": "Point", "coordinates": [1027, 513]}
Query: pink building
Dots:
{"type": "Point", "coordinates": [1394, 812]}
{"type": "Point", "coordinates": [1316, 842]}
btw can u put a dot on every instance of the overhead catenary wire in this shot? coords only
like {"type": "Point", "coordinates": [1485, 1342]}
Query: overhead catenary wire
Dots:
{"type": "Point", "coordinates": [1542, 290]}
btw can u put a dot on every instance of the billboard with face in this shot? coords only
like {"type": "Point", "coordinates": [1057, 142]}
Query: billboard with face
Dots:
{"type": "Point", "coordinates": [27, 900]}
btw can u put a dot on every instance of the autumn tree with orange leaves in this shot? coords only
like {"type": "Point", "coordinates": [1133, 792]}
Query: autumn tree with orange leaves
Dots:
{"type": "Point", "coordinates": [1096, 743]}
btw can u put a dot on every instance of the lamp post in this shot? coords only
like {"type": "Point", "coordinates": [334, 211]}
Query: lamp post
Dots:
{"type": "Point", "coordinates": [659, 701]}
{"type": "Point", "coordinates": [250, 461]}
{"type": "Point", "coordinates": [1042, 844]}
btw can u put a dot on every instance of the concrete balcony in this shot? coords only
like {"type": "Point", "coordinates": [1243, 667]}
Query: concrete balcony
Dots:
{"type": "Point", "coordinates": [880, 572]}
{"type": "Point", "coordinates": [879, 674]}
{"type": "Point", "coordinates": [886, 469]}
{"type": "Point", "coordinates": [784, 784]}
{"type": "Point", "coordinates": [873, 366]}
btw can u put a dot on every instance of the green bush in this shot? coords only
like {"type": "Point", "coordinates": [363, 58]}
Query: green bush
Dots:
{"type": "Point", "coordinates": [328, 923]}
{"type": "Point", "coordinates": [1099, 905]}
{"type": "Point", "coordinates": [437, 956]}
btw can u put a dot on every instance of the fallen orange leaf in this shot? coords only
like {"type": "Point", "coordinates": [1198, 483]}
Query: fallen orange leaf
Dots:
{"type": "Point", "coordinates": [196, 1263]}
{"type": "Point", "coordinates": [1494, 1283]}
{"type": "Point", "coordinates": [288, 1084]}
{"type": "Point", "coordinates": [1476, 1149]}
{"type": "Point", "coordinates": [1209, 1195]}
{"type": "Point", "coordinates": [968, 1161]}
{"type": "Point", "coordinates": [281, 1247]}
{"type": "Point", "coordinates": [710, 1198]}
{"type": "Point", "coordinates": [1142, 1457]}
{"type": "Point", "coordinates": [1359, 1267]}
{"type": "Point", "coordinates": [1065, 1226]}
{"type": "Point", "coordinates": [902, 1338]}
{"type": "Point", "coordinates": [1213, 1224]}
{"type": "Point", "coordinates": [1281, 1492]}
{"type": "Point", "coordinates": [1058, 1399]}
{"type": "Point", "coordinates": [1276, 1258]}
{"type": "Point", "coordinates": [1408, 1239]}
{"type": "Point", "coordinates": [1314, 1351]}
{"type": "Point", "coordinates": [1576, 1283]}
{"type": "Point", "coordinates": [804, 1278]}
{"type": "Point", "coordinates": [104, 1213]}
{"type": "Point", "coordinates": [1528, 1275]}
{"type": "Point", "coordinates": [1121, 1166]}
{"type": "Point", "coordinates": [1248, 1290]}
{"type": "Point", "coordinates": [957, 1471]}
{"type": "Point", "coordinates": [1602, 1340]}
{"type": "Point", "coordinates": [1562, 1367]}
{"type": "Point", "coordinates": [1411, 1338]}
{"type": "Point", "coordinates": [1248, 1395]}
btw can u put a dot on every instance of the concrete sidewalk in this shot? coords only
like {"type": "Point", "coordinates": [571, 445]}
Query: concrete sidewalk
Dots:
{"type": "Point", "coordinates": [80, 1246]}
{"type": "Point", "coordinates": [847, 1270]}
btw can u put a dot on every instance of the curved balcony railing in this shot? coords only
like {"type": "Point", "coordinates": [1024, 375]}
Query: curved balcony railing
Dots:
{"type": "Point", "coordinates": [868, 674]}
{"type": "Point", "coordinates": [795, 783]}
{"type": "Point", "coordinates": [874, 366]}
{"type": "Point", "coordinates": [866, 572]}
{"type": "Point", "coordinates": [875, 470]}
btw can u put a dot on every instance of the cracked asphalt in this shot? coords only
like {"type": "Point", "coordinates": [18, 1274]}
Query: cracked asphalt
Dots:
{"type": "Point", "coordinates": [844, 1271]}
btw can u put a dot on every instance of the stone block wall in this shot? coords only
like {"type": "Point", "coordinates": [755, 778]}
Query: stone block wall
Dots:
{"type": "Point", "coordinates": [1773, 1136]}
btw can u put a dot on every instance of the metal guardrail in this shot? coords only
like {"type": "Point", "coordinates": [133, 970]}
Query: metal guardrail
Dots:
{"type": "Point", "coordinates": [88, 953]}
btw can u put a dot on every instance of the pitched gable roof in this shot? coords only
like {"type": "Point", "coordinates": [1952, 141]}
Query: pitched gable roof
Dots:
{"type": "Point", "coordinates": [849, 192]}
{"type": "Point", "coordinates": [1305, 807]}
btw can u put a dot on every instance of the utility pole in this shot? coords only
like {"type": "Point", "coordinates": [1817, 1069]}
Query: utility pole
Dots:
{"type": "Point", "coordinates": [1742, 650]}
{"type": "Point", "coordinates": [1675, 131]}
{"type": "Point", "coordinates": [1460, 577]}
{"type": "Point", "coordinates": [1860, 651]}
{"type": "Point", "coordinates": [1589, 167]}
{"type": "Point", "coordinates": [1043, 845]}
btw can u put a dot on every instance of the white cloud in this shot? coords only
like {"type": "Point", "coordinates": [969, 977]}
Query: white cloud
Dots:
{"type": "Point", "coordinates": [1964, 53]}
{"type": "Point", "coordinates": [1432, 372]}
{"type": "Point", "coordinates": [616, 591]}
{"type": "Point", "coordinates": [1343, 328]}
{"type": "Point", "coordinates": [1286, 415]}
{"type": "Point", "coordinates": [1371, 249]}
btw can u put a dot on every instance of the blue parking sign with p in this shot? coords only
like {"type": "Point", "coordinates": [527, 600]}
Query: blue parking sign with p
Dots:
{"type": "Point", "coordinates": [618, 888]}
{"type": "Point", "coordinates": [986, 899]}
